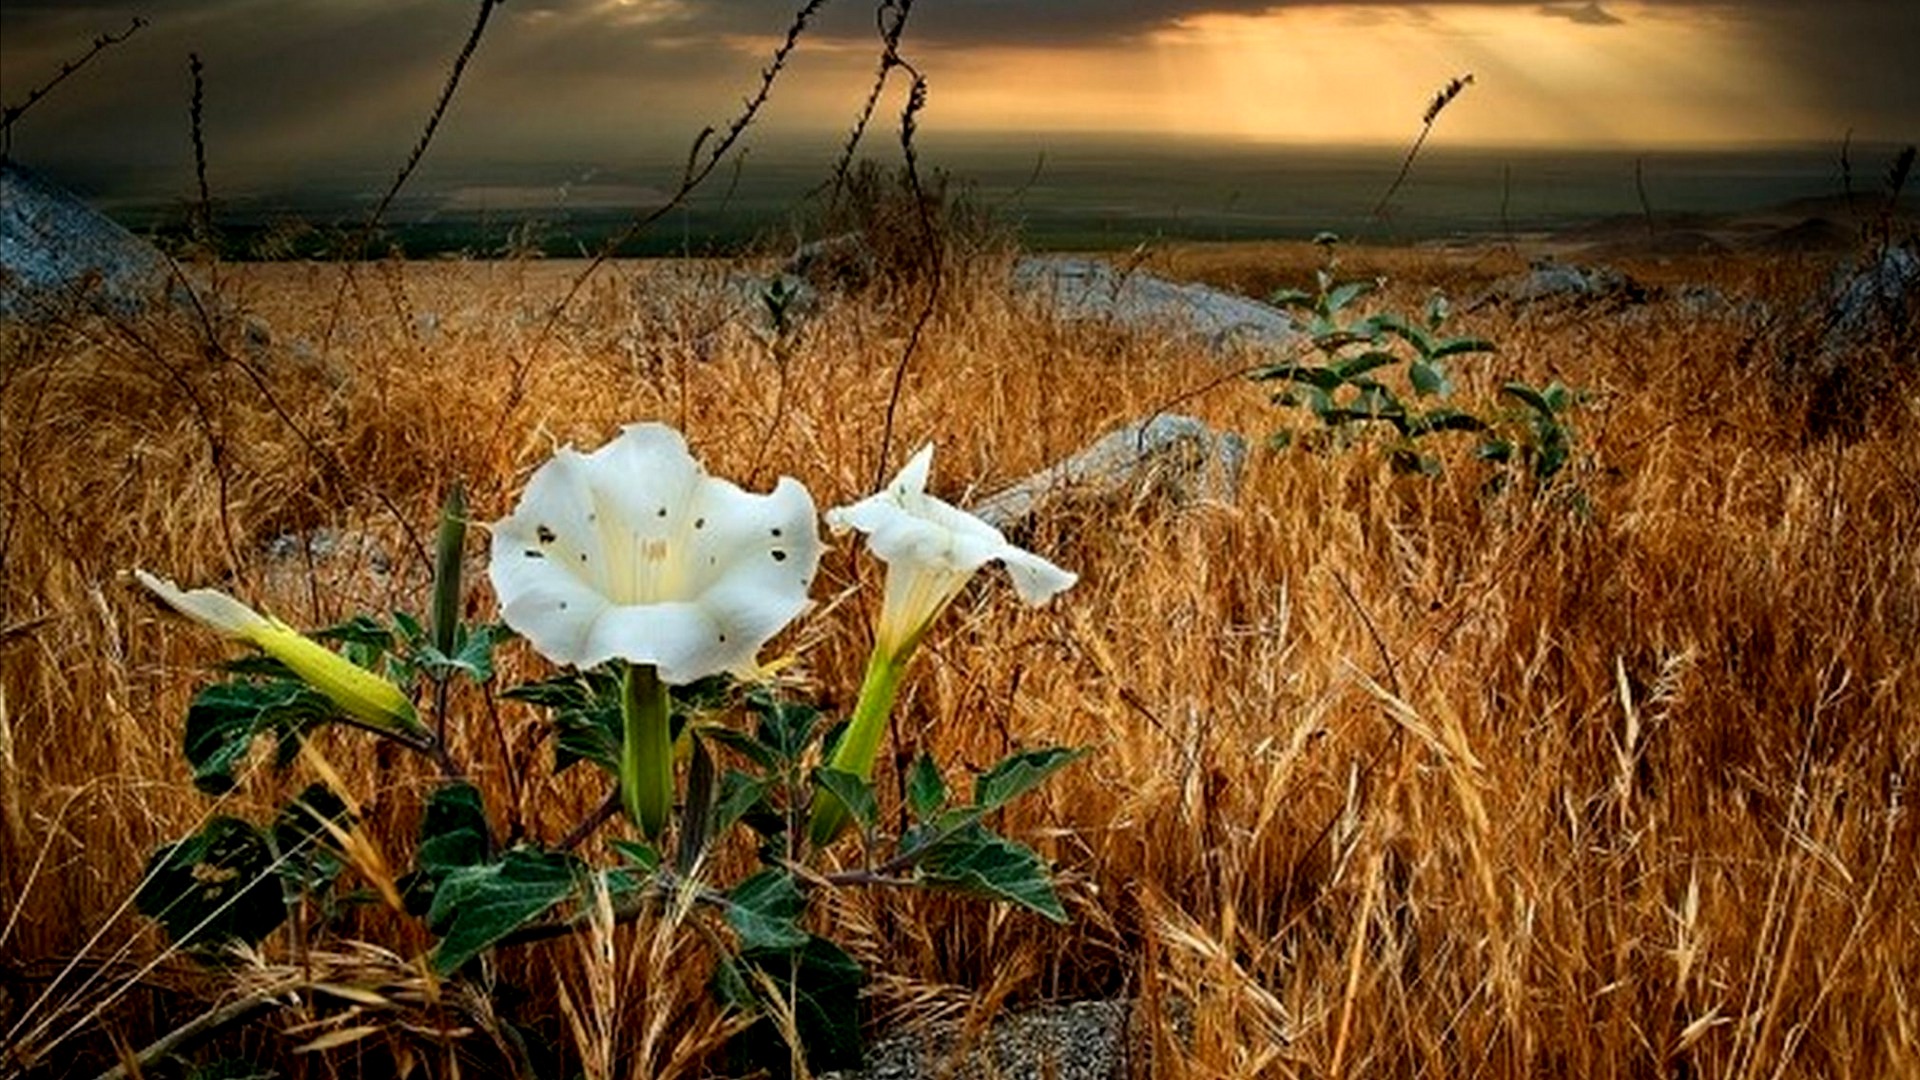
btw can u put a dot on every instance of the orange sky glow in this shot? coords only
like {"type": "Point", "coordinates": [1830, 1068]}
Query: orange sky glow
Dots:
{"type": "Point", "coordinates": [1662, 76]}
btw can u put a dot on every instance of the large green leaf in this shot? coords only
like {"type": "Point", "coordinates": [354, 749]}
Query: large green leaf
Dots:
{"type": "Point", "coordinates": [224, 719]}
{"type": "Point", "coordinates": [979, 862]}
{"type": "Point", "coordinates": [1019, 773]}
{"type": "Point", "coordinates": [454, 835]}
{"type": "Point", "coordinates": [822, 985]}
{"type": "Point", "coordinates": [215, 886]}
{"type": "Point", "coordinates": [476, 906]}
{"type": "Point", "coordinates": [853, 793]}
{"type": "Point", "coordinates": [764, 910]}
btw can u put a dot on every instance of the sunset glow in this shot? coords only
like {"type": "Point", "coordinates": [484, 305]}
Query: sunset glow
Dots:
{"type": "Point", "coordinates": [1337, 73]}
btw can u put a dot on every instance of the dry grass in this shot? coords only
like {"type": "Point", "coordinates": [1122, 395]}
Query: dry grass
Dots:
{"type": "Point", "coordinates": [1391, 778]}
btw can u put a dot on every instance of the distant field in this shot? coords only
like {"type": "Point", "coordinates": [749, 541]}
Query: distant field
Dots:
{"type": "Point", "coordinates": [1058, 191]}
{"type": "Point", "coordinates": [1391, 775]}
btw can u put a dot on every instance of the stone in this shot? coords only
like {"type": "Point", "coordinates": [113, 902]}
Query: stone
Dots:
{"type": "Point", "coordinates": [1550, 283]}
{"type": "Point", "coordinates": [59, 256]}
{"type": "Point", "coordinates": [1080, 289]}
{"type": "Point", "coordinates": [1086, 1040]}
{"type": "Point", "coordinates": [1168, 455]}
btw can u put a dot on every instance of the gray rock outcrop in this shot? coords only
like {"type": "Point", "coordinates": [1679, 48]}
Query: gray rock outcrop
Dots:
{"type": "Point", "coordinates": [1090, 290]}
{"type": "Point", "coordinates": [1556, 285]}
{"type": "Point", "coordinates": [1175, 457]}
{"type": "Point", "coordinates": [59, 256]}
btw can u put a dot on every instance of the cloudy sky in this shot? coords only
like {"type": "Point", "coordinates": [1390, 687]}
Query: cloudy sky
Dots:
{"type": "Point", "coordinates": [320, 84]}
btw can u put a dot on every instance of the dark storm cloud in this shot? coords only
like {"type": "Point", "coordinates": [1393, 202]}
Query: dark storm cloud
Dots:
{"type": "Point", "coordinates": [1584, 14]}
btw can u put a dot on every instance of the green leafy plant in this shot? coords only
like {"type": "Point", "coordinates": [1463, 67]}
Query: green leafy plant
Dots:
{"type": "Point", "coordinates": [655, 586]}
{"type": "Point", "coordinates": [1384, 370]}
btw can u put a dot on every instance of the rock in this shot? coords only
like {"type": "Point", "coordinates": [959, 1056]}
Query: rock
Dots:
{"type": "Point", "coordinates": [58, 255]}
{"type": "Point", "coordinates": [1175, 456]}
{"type": "Point", "coordinates": [1087, 289]}
{"type": "Point", "coordinates": [1083, 1041]}
{"type": "Point", "coordinates": [1851, 355]}
{"type": "Point", "coordinates": [1870, 301]}
{"type": "Point", "coordinates": [1554, 284]}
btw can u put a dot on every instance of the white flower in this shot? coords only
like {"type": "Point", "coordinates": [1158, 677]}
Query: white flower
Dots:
{"type": "Point", "coordinates": [634, 552]}
{"type": "Point", "coordinates": [358, 692]}
{"type": "Point", "coordinates": [932, 549]}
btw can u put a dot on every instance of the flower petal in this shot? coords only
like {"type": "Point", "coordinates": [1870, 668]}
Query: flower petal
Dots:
{"type": "Point", "coordinates": [633, 552]}
{"type": "Point", "coordinates": [1034, 578]}
{"type": "Point", "coordinates": [210, 606]}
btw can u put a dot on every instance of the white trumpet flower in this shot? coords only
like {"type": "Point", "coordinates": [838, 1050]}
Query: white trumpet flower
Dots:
{"type": "Point", "coordinates": [932, 549]}
{"type": "Point", "coordinates": [634, 553]}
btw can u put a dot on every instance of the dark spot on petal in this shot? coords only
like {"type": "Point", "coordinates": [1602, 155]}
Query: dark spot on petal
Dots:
{"type": "Point", "coordinates": [779, 556]}
{"type": "Point", "coordinates": [776, 532]}
{"type": "Point", "coordinates": [662, 512]}
{"type": "Point", "coordinates": [563, 605]}
{"type": "Point", "coordinates": [699, 523]}
{"type": "Point", "coordinates": [592, 517]}
{"type": "Point", "coordinates": [723, 639]}
{"type": "Point", "coordinates": [532, 554]}
{"type": "Point", "coordinates": [583, 556]}
{"type": "Point", "coordinates": [545, 534]}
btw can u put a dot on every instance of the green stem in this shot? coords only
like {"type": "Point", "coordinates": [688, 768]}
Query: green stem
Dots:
{"type": "Point", "coordinates": [860, 743]}
{"type": "Point", "coordinates": [646, 750]}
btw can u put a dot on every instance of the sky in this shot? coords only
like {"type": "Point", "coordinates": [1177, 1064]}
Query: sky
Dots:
{"type": "Point", "coordinates": [297, 86]}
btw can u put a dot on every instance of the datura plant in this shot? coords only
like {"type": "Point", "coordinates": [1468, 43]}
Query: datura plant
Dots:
{"type": "Point", "coordinates": [652, 588]}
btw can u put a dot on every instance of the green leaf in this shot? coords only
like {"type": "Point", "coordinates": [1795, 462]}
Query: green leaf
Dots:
{"type": "Point", "coordinates": [474, 655]}
{"type": "Point", "coordinates": [1389, 323]}
{"type": "Point", "coordinates": [1019, 773]}
{"type": "Point", "coordinates": [362, 630]}
{"type": "Point", "coordinates": [225, 717]}
{"type": "Point", "coordinates": [926, 790]}
{"type": "Point", "coordinates": [786, 727]}
{"type": "Point", "coordinates": [305, 843]}
{"type": "Point", "coordinates": [1428, 378]}
{"type": "Point", "coordinates": [741, 743]}
{"type": "Point", "coordinates": [854, 793]}
{"type": "Point", "coordinates": [1459, 346]}
{"type": "Point", "coordinates": [586, 717]}
{"type": "Point", "coordinates": [821, 983]}
{"type": "Point", "coordinates": [1444, 420]}
{"type": "Point", "coordinates": [454, 835]}
{"type": "Point", "coordinates": [1342, 295]}
{"type": "Point", "coordinates": [1372, 359]}
{"type": "Point", "coordinates": [1437, 311]}
{"type": "Point", "coordinates": [214, 887]}
{"type": "Point", "coordinates": [639, 854]}
{"type": "Point", "coordinates": [1529, 397]}
{"type": "Point", "coordinates": [1499, 450]}
{"type": "Point", "coordinates": [764, 910]}
{"type": "Point", "coordinates": [1374, 402]}
{"type": "Point", "coordinates": [476, 906]}
{"type": "Point", "coordinates": [739, 794]}
{"type": "Point", "coordinates": [1325, 378]}
{"type": "Point", "coordinates": [978, 862]}
{"type": "Point", "coordinates": [1293, 298]}
{"type": "Point", "coordinates": [411, 631]}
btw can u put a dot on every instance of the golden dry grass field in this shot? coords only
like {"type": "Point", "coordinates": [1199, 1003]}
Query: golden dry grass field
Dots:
{"type": "Point", "coordinates": [1391, 776]}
